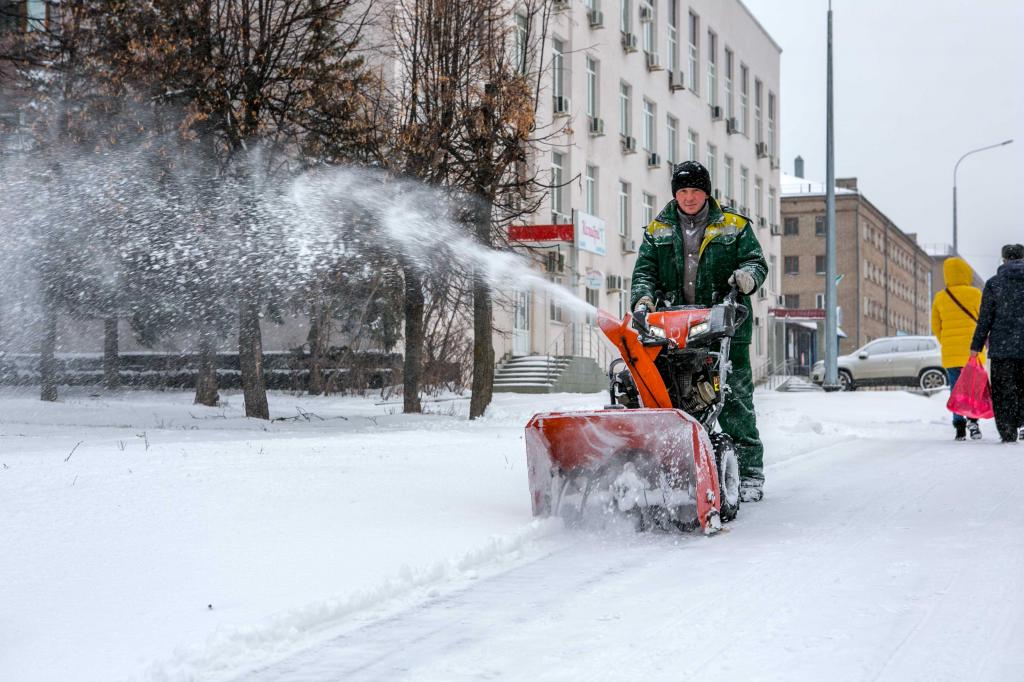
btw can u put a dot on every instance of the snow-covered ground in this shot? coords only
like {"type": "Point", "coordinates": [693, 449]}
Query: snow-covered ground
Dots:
{"type": "Point", "coordinates": [143, 537]}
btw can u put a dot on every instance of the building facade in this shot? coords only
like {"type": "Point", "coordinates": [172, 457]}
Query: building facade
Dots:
{"type": "Point", "coordinates": [884, 275]}
{"type": "Point", "coordinates": [634, 87]}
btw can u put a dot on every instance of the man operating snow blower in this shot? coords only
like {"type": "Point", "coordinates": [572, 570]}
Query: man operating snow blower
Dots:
{"type": "Point", "coordinates": [692, 253]}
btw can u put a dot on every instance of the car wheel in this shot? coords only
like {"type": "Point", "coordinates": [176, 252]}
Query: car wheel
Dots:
{"type": "Point", "coordinates": [846, 380]}
{"type": "Point", "coordinates": [932, 379]}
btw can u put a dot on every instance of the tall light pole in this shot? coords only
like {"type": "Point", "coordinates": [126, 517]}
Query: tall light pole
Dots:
{"type": "Point", "coordinates": [973, 151]}
{"type": "Point", "coordinates": [831, 379]}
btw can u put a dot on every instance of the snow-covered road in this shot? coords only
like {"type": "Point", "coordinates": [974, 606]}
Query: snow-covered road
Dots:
{"type": "Point", "coordinates": [871, 559]}
{"type": "Point", "coordinates": [146, 538]}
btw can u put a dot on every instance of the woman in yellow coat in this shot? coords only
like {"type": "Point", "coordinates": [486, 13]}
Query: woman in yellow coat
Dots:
{"type": "Point", "coordinates": [954, 317]}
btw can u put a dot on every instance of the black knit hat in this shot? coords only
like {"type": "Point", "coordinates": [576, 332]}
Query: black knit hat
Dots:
{"type": "Point", "coordinates": [691, 174]}
{"type": "Point", "coordinates": [1013, 252]}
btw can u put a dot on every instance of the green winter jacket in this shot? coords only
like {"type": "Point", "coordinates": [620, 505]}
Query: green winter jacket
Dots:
{"type": "Point", "coordinates": [729, 244]}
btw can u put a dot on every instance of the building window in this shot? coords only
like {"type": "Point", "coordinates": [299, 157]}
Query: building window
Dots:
{"type": "Point", "coordinates": [672, 130]}
{"type": "Point", "coordinates": [819, 301]}
{"type": "Point", "coordinates": [590, 190]}
{"type": "Point", "coordinates": [745, 99]}
{"type": "Point", "coordinates": [791, 301]}
{"type": "Point", "coordinates": [626, 15]}
{"type": "Point", "coordinates": [819, 265]}
{"type": "Point", "coordinates": [649, 122]}
{"type": "Point", "coordinates": [758, 133]}
{"type": "Point", "coordinates": [771, 206]}
{"type": "Point", "coordinates": [623, 208]}
{"type": "Point", "coordinates": [694, 33]}
{"type": "Point", "coordinates": [557, 67]}
{"type": "Point", "coordinates": [673, 35]}
{"type": "Point", "coordinates": [771, 125]}
{"type": "Point", "coordinates": [557, 189]}
{"type": "Point", "coordinates": [712, 165]}
{"type": "Point", "coordinates": [791, 226]}
{"type": "Point", "coordinates": [522, 35]}
{"type": "Point", "coordinates": [594, 299]}
{"type": "Point", "coordinates": [791, 265]}
{"type": "Point", "coordinates": [625, 97]}
{"type": "Point", "coordinates": [773, 272]}
{"type": "Point", "coordinates": [650, 46]}
{"type": "Point", "coordinates": [819, 226]}
{"type": "Point", "coordinates": [727, 179]}
{"type": "Point", "coordinates": [759, 199]}
{"type": "Point", "coordinates": [712, 68]}
{"type": "Point", "coordinates": [730, 106]}
{"type": "Point", "coordinates": [592, 87]}
{"type": "Point", "coordinates": [648, 208]}
{"type": "Point", "coordinates": [555, 308]}
{"type": "Point", "coordinates": [691, 143]}
{"type": "Point", "coordinates": [744, 190]}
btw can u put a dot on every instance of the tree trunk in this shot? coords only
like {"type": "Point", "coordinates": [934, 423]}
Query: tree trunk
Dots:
{"type": "Point", "coordinates": [319, 340]}
{"type": "Point", "coordinates": [250, 358]}
{"type": "Point", "coordinates": [206, 377]}
{"type": "Point", "coordinates": [482, 388]}
{"type": "Point", "coordinates": [47, 353]}
{"type": "Point", "coordinates": [412, 369]}
{"type": "Point", "coordinates": [111, 363]}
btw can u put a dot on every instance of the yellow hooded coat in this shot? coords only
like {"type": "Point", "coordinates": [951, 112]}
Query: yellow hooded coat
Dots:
{"type": "Point", "coordinates": [953, 327]}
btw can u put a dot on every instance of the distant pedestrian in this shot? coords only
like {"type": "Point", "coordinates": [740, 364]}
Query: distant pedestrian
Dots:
{"type": "Point", "coordinates": [954, 317]}
{"type": "Point", "coordinates": [1001, 324]}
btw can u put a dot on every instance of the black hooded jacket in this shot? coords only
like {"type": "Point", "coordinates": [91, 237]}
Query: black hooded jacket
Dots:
{"type": "Point", "coordinates": [1001, 319]}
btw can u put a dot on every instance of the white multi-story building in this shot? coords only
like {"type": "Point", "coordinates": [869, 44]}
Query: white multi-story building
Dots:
{"type": "Point", "coordinates": [642, 85]}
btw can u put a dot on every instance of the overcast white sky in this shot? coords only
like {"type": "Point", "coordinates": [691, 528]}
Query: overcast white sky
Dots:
{"type": "Point", "coordinates": [918, 83]}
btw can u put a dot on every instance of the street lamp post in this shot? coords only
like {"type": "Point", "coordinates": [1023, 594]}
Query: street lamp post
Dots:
{"type": "Point", "coordinates": [957, 166]}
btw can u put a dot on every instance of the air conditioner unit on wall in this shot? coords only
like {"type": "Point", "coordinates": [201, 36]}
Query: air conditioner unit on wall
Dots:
{"type": "Point", "coordinates": [561, 105]}
{"type": "Point", "coordinates": [775, 229]}
{"type": "Point", "coordinates": [653, 160]}
{"type": "Point", "coordinates": [761, 222]}
{"type": "Point", "coordinates": [653, 61]}
{"type": "Point", "coordinates": [762, 149]}
{"type": "Point", "coordinates": [628, 245]}
{"type": "Point", "coordinates": [732, 126]}
{"type": "Point", "coordinates": [646, 13]}
{"type": "Point", "coordinates": [596, 17]}
{"type": "Point", "coordinates": [716, 113]}
{"type": "Point", "coordinates": [628, 144]}
{"type": "Point", "coordinates": [629, 41]}
{"type": "Point", "coordinates": [596, 126]}
{"type": "Point", "coordinates": [675, 80]}
{"type": "Point", "coordinates": [559, 5]}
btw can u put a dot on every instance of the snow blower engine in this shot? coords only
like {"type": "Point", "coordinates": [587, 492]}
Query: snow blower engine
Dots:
{"type": "Point", "coordinates": [653, 452]}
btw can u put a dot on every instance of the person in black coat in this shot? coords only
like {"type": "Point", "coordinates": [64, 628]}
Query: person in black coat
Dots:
{"type": "Point", "coordinates": [1001, 324]}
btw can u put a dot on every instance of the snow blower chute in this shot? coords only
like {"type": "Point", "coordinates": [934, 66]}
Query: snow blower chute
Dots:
{"type": "Point", "coordinates": [652, 453]}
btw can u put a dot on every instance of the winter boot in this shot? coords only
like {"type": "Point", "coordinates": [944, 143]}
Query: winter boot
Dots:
{"type": "Point", "coordinates": [751, 489]}
{"type": "Point", "coordinates": [1020, 434]}
{"type": "Point", "coordinates": [961, 431]}
{"type": "Point", "coordinates": [973, 429]}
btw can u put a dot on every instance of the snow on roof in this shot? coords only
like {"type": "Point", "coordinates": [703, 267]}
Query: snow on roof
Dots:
{"type": "Point", "coordinates": [791, 185]}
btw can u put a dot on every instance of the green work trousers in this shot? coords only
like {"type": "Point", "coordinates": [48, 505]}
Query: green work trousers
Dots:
{"type": "Point", "coordinates": [738, 418]}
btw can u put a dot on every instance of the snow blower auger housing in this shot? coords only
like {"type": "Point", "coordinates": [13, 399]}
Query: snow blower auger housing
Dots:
{"type": "Point", "coordinates": [653, 452]}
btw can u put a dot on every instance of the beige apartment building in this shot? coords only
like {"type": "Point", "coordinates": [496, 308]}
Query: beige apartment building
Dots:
{"type": "Point", "coordinates": [643, 85]}
{"type": "Point", "coordinates": [884, 275]}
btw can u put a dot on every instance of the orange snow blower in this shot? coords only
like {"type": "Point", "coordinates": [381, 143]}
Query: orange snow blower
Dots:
{"type": "Point", "coordinates": [652, 453]}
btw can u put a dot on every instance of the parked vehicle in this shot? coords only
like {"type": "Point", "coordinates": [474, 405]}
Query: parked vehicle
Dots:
{"type": "Point", "coordinates": [890, 361]}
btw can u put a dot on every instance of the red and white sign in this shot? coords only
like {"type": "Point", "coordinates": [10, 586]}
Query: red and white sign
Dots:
{"type": "Point", "coordinates": [541, 233]}
{"type": "Point", "coordinates": [805, 314]}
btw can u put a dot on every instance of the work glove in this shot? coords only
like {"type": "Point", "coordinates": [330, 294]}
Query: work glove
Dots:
{"type": "Point", "coordinates": [645, 302]}
{"type": "Point", "coordinates": [743, 280]}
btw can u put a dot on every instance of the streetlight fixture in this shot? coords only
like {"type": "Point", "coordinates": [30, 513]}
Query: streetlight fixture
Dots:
{"type": "Point", "coordinates": [973, 151]}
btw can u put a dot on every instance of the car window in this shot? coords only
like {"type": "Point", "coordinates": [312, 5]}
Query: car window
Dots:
{"type": "Point", "coordinates": [880, 347]}
{"type": "Point", "coordinates": [911, 345]}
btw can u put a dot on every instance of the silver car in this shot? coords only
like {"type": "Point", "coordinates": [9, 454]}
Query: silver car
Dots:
{"type": "Point", "coordinates": [890, 361]}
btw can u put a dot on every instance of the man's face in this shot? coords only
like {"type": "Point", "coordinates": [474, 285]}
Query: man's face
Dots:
{"type": "Point", "coordinates": [691, 200]}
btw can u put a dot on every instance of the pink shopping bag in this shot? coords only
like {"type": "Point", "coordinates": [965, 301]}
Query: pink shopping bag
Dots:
{"type": "Point", "coordinates": [972, 395]}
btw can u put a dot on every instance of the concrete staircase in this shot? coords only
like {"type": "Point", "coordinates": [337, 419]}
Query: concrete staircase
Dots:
{"type": "Point", "coordinates": [549, 374]}
{"type": "Point", "coordinates": [800, 384]}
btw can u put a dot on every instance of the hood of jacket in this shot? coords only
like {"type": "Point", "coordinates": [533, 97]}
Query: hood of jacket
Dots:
{"type": "Point", "coordinates": [956, 272]}
{"type": "Point", "coordinates": [1013, 269]}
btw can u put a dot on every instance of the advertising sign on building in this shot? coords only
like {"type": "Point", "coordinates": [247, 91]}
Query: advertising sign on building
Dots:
{"type": "Point", "coordinates": [594, 279]}
{"type": "Point", "coordinates": [590, 233]}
